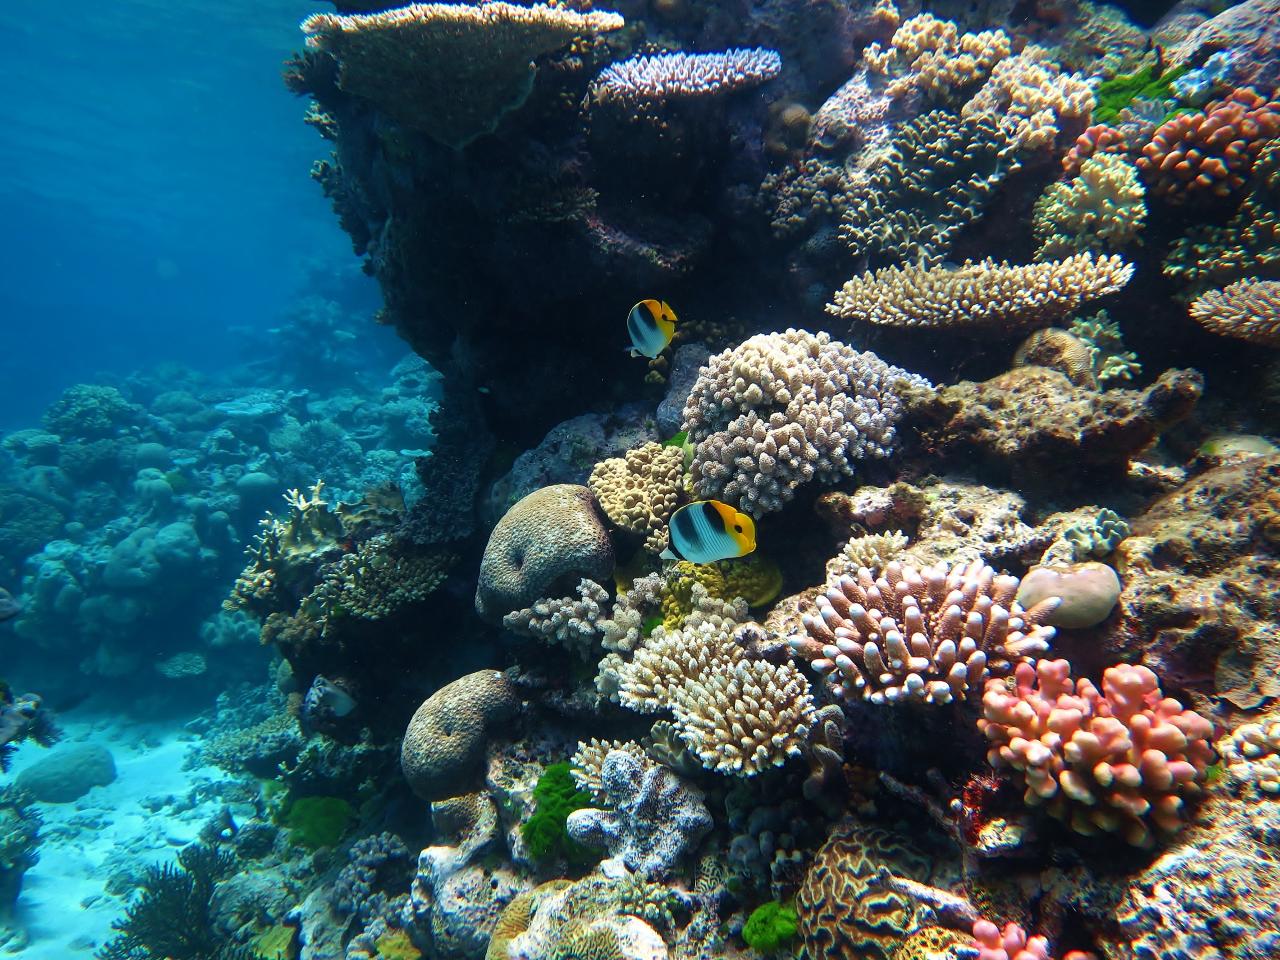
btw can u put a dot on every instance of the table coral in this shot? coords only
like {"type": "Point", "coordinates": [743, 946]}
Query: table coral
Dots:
{"type": "Point", "coordinates": [1209, 153]}
{"type": "Point", "coordinates": [1123, 759]}
{"type": "Point", "coordinates": [449, 70]}
{"type": "Point", "coordinates": [785, 409]}
{"type": "Point", "coordinates": [902, 634]}
{"type": "Point", "coordinates": [937, 176]}
{"type": "Point", "coordinates": [985, 296]}
{"type": "Point", "coordinates": [667, 76]}
{"type": "Point", "coordinates": [1246, 310]}
{"type": "Point", "coordinates": [640, 490]}
{"type": "Point", "coordinates": [1102, 210]}
{"type": "Point", "coordinates": [553, 536]}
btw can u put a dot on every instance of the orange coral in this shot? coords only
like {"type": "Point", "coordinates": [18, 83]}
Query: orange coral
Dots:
{"type": "Point", "coordinates": [1209, 153]}
{"type": "Point", "coordinates": [1097, 139]}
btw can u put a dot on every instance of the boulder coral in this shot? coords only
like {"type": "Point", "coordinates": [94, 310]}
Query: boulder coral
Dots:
{"type": "Point", "coordinates": [640, 490]}
{"type": "Point", "coordinates": [1122, 759]}
{"type": "Point", "coordinates": [445, 740]}
{"type": "Point", "coordinates": [549, 539]}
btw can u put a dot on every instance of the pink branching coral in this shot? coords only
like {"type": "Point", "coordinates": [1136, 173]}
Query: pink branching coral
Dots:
{"type": "Point", "coordinates": [928, 635]}
{"type": "Point", "coordinates": [1012, 943]}
{"type": "Point", "coordinates": [1121, 760]}
{"type": "Point", "coordinates": [1210, 153]}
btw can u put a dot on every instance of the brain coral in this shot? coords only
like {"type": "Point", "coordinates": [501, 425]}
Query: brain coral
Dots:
{"type": "Point", "coordinates": [448, 70]}
{"type": "Point", "coordinates": [640, 490]}
{"type": "Point", "coordinates": [912, 635]}
{"type": "Point", "coordinates": [983, 296]}
{"type": "Point", "coordinates": [1123, 759]}
{"type": "Point", "coordinates": [445, 739]}
{"type": "Point", "coordinates": [1247, 310]}
{"type": "Point", "coordinates": [552, 537]}
{"type": "Point", "coordinates": [784, 409]}
{"type": "Point", "coordinates": [844, 913]}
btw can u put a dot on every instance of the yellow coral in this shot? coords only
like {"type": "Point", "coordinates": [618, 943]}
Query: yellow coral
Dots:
{"type": "Point", "coordinates": [754, 578]}
{"type": "Point", "coordinates": [985, 294]}
{"type": "Point", "coordinates": [448, 70]}
{"type": "Point", "coordinates": [640, 490]}
{"type": "Point", "coordinates": [1031, 95]}
{"type": "Point", "coordinates": [931, 55]}
{"type": "Point", "coordinates": [1103, 209]}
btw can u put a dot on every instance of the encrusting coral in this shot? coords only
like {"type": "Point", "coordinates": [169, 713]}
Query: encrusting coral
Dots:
{"type": "Point", "coordinates": [640, 490]}
{"type": "Point", "coordinates": [937, 177]}
{"type": "Point", "coordinates": [1101, 210]}
{"type": "Point", "coordinates": [986, 296]}
{"type": "Point", "coordinates": [448, 70]}
{"type": "Point", "coordinates": [902, 634]}
{"type": "Point", "coordinates": [784, 409]}
{"type": "Point", "coordinates": [1246, 310]}
{"type": "Point", "coordinates": [1123, 759]}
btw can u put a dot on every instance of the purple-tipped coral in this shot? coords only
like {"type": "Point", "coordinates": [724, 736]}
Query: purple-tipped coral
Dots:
{"type": "Point", "coordinates": [666, 76]}
{"type": "Point", "coordinates": [929, 635]}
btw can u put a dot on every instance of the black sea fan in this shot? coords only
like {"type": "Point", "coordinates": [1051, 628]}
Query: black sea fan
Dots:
{"type": "Point", "coordinates": [170, 919]}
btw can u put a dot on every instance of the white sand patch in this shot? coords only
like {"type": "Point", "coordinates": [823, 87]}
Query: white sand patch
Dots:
{"type": "Point", "coordinates": [64, 907]}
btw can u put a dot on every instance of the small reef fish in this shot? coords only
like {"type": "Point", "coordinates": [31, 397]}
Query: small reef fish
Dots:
{"type": "Point", "coordinates": [651, 324]}
{"type": "Point", "coordinates": [707, 531]}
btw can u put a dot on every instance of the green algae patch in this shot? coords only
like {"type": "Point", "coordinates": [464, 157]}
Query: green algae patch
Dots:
{"type": "Point", "coordinates": [1146, 84]}
{"type": "Point", "coordinates": [315, 822]}
{"type": "Point", "coordinates": [770, 927]}
{"type": "Point", "coordinates": [556, 796]}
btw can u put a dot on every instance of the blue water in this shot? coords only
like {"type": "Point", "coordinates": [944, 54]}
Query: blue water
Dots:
{"type": "Point", "coordinates": [155, 189]}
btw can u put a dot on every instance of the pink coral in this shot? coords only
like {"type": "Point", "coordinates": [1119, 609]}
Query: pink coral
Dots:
{"type": "Point", "coordinates": [1012, 943]}
{"type": "Point", "coordinates": [1210, 153]}
{"type": "Point", "coordinates": [1121, 760]}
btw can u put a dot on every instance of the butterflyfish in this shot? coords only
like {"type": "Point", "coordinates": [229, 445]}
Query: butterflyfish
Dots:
{"type": "Point", "coordinates": [651, 324]}
{"type": "Point", "coordinates": [707, 531]}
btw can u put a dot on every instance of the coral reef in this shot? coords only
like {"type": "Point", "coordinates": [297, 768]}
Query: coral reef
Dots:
{"type": "Point", "coordinates": [1101, 210]}
{"type": "Point", "coordinates": [1033, 98]}
{"type": "Point", "coordinates": [668, 76]}
{"type": "Point", "coordinates": [640, 490]}
{"type": "Point", "coordinates": [989, 297]}
{"type": "Point", "coordinates": [575, 623]}
{"type": "Point", "coordinates": [781, 410]}
{"type": "Point", "coordinates": [1123, 759]}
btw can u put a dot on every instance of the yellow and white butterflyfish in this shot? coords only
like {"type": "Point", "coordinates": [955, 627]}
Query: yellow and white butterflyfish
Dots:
{"type": "Point", "coordinates": [651, 325]}
{"type": "Point", "coordinates": [707, 531]}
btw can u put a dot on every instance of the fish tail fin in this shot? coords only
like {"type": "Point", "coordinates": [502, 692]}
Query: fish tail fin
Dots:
{"type": "Point", "coordinates": [667, 555]}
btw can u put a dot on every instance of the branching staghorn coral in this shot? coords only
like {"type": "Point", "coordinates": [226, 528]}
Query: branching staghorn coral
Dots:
{"type": "Point", "coordinates": [931, 635]}
{"type": "Point", "coordinates": [784, 409]}
{"type": "Point", "coordinates": [737, 715]}
{"type": "Point", "coordinates": [573, 622]}
{"type": "Point", "coordinates": [1123, 759]}
{"type": "Point", "coordinates": [671, 76]}
{"type": "Point", "coordinates": [873, 550]}
{"type": "Point", "coordinates": [448, 70]}
{"type": "Point", "coordinates": [939, 173]}
{"type": "Point", "coordinates": [1032, 97]}
{"type": "Point", "coordinates": [624, 630]}
{"type": "Point", "coordinates": [986, 295]}
{"type": "Point", "coordinates": [1247, 310]}
{"type": "Point", "coordinates": [588, 760]}
{"type": "Point", "coordinates": [1102, 210]}
{"type": "Point", "coordinates": [934, 57]}
{"type": "Point", "coordinates": [640, 490]}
